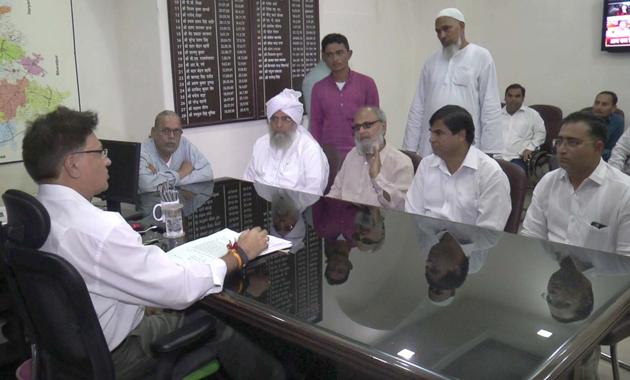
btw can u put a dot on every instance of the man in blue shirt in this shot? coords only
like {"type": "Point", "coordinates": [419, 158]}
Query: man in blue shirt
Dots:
{"type": "Point", "coordinates": [604, 106]}
{"type": "Point", "coordinates": [168, 156]}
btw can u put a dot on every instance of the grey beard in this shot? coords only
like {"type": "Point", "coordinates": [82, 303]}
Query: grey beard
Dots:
{"type": "Point", "coordinates": [449, 51]}
{"type": "Point", "coordinates": [369, 146]}
{"type": "Point", "coordinates": [281, 140]}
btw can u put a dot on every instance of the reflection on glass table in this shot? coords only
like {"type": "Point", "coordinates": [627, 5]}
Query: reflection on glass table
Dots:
{"type": "Point", "coordinates": [390, 294]}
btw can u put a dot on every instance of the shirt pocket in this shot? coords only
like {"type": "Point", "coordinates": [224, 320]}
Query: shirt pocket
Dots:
{"type": "Point", "coordinates": [596, 238]}
{"type": "Point", "coordinates": [462, 77]}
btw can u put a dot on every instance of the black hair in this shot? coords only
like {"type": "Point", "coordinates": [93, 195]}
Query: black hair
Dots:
{"type": "Point", "coordinates": [597, 125]}
{"type": "Point", "coordinates": [335, 38]}
{"type": "Point", "coordinates": [50, 137]}
{"type": "Point", "coordinates": [456, 119]}
{"type": "Point", "coordinates": [513, 86]}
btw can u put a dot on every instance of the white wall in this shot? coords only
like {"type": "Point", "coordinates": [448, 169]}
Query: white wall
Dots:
{"type": "Point", "coordinates": [552, 49]}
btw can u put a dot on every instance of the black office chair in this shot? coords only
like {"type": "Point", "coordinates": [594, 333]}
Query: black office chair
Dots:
{"type": "Point", "coordinates": [57, 311]}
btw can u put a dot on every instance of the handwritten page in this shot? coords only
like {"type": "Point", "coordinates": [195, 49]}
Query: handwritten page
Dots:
{"type": "Point", "coordinates": [208, 248]}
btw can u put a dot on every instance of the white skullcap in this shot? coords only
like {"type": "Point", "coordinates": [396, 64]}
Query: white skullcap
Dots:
{"type": "Point", "coordinates": [453, 13]}
{"type": "Point", "coordinates": [288, 101]}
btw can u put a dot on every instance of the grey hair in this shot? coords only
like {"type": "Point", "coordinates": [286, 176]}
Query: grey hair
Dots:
{"type": "Point", "coordinates": [379, 113]}
{"type": "Point", "coordinates": [164, 114]}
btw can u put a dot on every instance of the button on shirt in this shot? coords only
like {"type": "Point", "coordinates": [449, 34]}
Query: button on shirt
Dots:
{"type": "Point", "coordinates": [477, 193]}
{"type": "Point", "coordinates": [525, 129]}
{"type": "Point", "coordinates": [353, 182]}
{"type": "Point", "coordinates": [333, 110]}
{"type": "Point", "coordinates": [302, 167]}
{"type": "Point", "coordinates": [595, 216]}
{"type": "Point", "coordinates": [120, 273]}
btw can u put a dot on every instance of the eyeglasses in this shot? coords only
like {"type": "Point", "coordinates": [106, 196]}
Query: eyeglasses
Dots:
{"type": "Point", "coordinates": [571, 142]}
{"type": "Point", "coordinates": [103, 152]}
{"type": "Point", "coordinates": [280, 119]}
{"type": "Point", "coordinates": [366, 125]}
{"type": "Point", "coordinates": [168, 132]}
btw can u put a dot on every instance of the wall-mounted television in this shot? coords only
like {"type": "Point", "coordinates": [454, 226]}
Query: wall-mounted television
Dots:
{"type": "Point", "coordinates": [616, 26]}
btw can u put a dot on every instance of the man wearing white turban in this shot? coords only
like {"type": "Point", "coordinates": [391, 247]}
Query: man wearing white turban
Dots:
{"type": "Point", "coordinates": [288, 156]}
{"type": "Point", "coordinates": [463, 74]}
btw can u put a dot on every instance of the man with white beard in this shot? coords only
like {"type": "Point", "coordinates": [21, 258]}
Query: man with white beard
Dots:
{"type": "Point", "coordinates": [463, 74]}
{"type": "Point", "coordinates": [373, 173]}
{"type": "Point", "coordinates": [288, 156]}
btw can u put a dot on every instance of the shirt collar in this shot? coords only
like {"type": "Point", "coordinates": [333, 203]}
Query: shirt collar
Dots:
{"type": "Point", "coordinates": [470, 161]}
{"type": "Point", "coordinates": [60, 192]}
{"type": "Point", "coordinates": [505, 112]}
{"type": "Point", "coordinates": [331, 79]}
{"type": "Point", "coordinates": [598, 175]}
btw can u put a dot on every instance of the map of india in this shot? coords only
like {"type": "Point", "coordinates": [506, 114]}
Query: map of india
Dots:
{"type": "Point", "coordinates": [37, 66]}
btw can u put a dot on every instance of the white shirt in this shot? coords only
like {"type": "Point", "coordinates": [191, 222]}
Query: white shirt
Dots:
{"type": "Point", "coordinates": [525, 129]}
{"type": "Point", "coordinates": [477, 193]}
{"type": "Point", "coordinates": [596, 215]}
{"type": "Point", "coordinates": [469, 80]}
{"type": "Point", "coordinates": [120, 273]}
{"type": "Point", "coordinates": [621, 151]}
{"type": "Point", "coordinates": [353, 182]}
{"type": "Point", "coordinates": [302, 167]}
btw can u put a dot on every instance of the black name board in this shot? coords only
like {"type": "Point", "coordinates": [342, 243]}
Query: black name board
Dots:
{"type": "Point", "coordinates": [230, 56]}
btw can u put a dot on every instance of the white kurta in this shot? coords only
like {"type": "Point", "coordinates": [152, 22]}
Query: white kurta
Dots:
{"type": "Point", "coordinates": [353, 182]}
{"type": "Point", "coordinates": [302, 167]}
{"type": "Point", "coordinates": [523, 130]}
{"type": "Point", "coordinates": [469, 80]}
{"type": "Point", "coordinates": [596, 215]}
{"type": "Point", "coordinates": [621, 152]}
{"type": "Point", "coordinates": [120, 273]}
{"type": "Point", "coordinates": [478, 193]}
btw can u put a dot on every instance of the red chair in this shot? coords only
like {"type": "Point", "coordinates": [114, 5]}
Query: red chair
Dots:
{"type": "Point", "coordinates": [541, 160]}
{"type": "Point", "coordinates": [518, 189]}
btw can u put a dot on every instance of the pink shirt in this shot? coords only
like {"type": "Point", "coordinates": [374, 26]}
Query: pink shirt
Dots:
{"type": "Point", "coordinates": [332, 111]}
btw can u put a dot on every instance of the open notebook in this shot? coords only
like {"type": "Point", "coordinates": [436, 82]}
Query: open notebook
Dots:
{"type": "Point", "coordinates": [208, 248]}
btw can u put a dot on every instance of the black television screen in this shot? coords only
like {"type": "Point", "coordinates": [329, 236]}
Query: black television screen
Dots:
{"type": "Point", "coordinates": [123, 173]}
{"type": "Point", "coordinates": [616, 26]}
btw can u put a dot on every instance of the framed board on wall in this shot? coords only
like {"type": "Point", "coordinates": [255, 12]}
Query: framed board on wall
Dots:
{"type": "Point", "coordinates": [230, 56]}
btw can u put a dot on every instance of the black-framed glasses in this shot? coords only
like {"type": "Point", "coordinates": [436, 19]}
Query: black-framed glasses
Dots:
{"type": "Point", "coordinates": [103, 152]}
{"type": "Point", "coordinates": [168, 131]}
{"type": "Point", "coordinates": [366, 125]}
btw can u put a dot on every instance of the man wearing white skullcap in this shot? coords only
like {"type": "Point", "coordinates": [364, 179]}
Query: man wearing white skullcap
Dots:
{"type": "Point", "coordinates": [463, 74]}
{"type": "Point", "coordinates": [288, 156]}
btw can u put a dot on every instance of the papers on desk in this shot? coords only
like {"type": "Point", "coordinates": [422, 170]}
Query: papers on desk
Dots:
{"type": "Point", "coordinates": [206, 249]}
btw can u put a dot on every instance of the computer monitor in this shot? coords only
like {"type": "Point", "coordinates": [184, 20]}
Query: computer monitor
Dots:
{"type": "Point", "coordinates": [123, 173]}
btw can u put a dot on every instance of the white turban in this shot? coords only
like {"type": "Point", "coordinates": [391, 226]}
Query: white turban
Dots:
{"type": "Point", "coordinates": [288, 101]}
{"type": "Point", "coordinates": [453, 13]}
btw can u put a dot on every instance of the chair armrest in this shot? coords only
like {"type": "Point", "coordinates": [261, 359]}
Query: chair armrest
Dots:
{"type": "Point", "coordinates": [186, 335]}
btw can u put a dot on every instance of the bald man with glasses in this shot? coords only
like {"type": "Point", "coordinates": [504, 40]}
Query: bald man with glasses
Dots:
{"type": "Point", "coordinates": [168, 156]}
{"type": "Point", "coordinates": [586, 202]}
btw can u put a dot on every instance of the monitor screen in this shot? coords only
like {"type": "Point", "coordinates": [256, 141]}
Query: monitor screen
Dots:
{"type": "Point", "coordinates": [123, 173]}
{"type": "Point", "coordinates": [616, 26]}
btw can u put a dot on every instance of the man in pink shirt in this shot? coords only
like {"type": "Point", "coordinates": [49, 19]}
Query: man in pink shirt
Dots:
{"type": "Point", "coordinates": [336, 98]}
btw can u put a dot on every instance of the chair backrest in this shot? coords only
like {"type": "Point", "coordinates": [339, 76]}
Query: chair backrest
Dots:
{"type": "Point", "coordinates": [334, 163]}
{"type": "Point", "coordinates": [415, 158]}
{"type": "Point", "coordinates": [552, 116]}
{"type": "Point", "coordinates": [518, 189]}
{"type": "Point", "coordinates": [56, 304]}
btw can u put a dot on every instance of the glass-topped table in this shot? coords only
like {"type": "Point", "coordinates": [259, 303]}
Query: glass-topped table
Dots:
{"type": "Point", "coordinates": [391, 294]}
